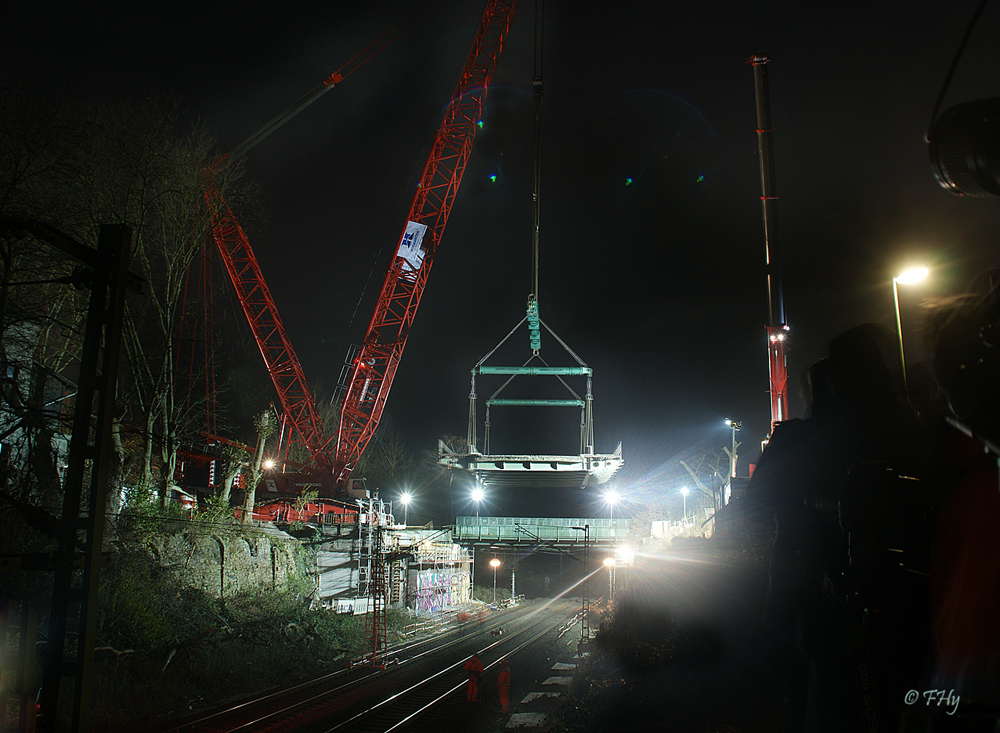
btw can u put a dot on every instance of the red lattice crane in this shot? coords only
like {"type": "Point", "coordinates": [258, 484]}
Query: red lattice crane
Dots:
{"type": "Point", "coordinates": [373, 370]}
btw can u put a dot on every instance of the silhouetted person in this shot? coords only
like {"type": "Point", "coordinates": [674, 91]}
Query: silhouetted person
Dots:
{"type": "Point", "coordinates": [965, 568]}
{"type": "Point", "coordinates": [826, 480]}
{"type": "Point", "coordinates": [795, 486]}
{"type": "Point", "coordinates": [866, 380]}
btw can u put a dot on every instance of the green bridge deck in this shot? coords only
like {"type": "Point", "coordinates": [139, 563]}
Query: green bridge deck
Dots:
{"type": "Point", "coordinates": [529, 530]}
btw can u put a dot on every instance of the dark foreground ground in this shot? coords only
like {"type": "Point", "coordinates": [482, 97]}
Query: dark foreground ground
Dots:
{"type": "Point", "coordinates": [684, 649]}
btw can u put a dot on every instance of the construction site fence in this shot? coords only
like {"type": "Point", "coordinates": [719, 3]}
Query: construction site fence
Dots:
{"type": "Point", "coordinates": [332, 519]}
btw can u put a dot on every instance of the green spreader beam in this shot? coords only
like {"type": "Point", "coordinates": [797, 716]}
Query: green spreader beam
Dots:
{"type": "Point", "coordinates": [536, 370]}
{"type": "Point", "coordinates": [534, 403]}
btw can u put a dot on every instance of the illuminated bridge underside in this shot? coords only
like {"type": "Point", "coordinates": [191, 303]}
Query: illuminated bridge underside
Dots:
{"type": "Point", "coordinates": [535, 471]}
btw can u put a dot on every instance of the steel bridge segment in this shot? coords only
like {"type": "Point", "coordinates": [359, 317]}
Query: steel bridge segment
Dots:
{"type": "Point", "coordinates": [563, 532]}
{"type": "Point", "coordinates": [535, 471]}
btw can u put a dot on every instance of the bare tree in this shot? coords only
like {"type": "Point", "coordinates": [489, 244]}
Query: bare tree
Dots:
{"type": "Point", "coordinates": [388, 462]}
{"type": "Point", "coordinates": [265, 423]}
{"type": "Point", "coordinates": [709, 471]}
{"type": "Point", "coordinates": [132, 163]}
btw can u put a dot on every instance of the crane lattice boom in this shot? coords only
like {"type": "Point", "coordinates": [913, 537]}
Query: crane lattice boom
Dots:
{"type": "Point", "coordinates": [283, 366]}
{"type": "Point", "coordinates": [373, 370]}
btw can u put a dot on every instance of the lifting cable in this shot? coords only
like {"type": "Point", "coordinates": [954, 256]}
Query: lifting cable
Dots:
{"type": "Point", "coordinates": [534, 332]}
{"type": "Point", "coordinates": [355, 63]}
{"type": "Point", "coordinates": [536, 89]}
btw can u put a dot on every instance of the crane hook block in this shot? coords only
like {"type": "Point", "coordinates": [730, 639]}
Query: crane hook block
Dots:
{"type": "Point", "coordinates": [534, 332]}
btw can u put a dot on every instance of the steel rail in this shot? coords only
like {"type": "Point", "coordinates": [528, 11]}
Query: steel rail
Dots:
{"type": "Point", "coordinates": [427, 694]}
{"type": "Point", "coordinates": [432, 644]}
{"type": "Point", "coordinates": [274, 705]}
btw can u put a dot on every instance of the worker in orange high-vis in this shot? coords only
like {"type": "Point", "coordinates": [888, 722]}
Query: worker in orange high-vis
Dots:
{"type": "Point", "coordinates": [503, 685]}
{"type": "Point", "coordinates": [474, 668]}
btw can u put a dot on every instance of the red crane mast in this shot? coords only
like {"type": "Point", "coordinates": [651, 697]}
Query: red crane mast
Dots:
{"type": "Point", "coordinates": [776, 328]}
{"type": "Point", "coordinates": [297, 400]}
{"type": "Point", "coordinates": [373, 370]}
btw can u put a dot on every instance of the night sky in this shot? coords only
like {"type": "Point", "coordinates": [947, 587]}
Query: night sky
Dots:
{"type": "Point", "coordinates": [659, 284]}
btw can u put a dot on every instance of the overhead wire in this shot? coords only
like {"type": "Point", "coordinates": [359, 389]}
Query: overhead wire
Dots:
{"type": "Point", "coordinates": [954, 65]}
{"type": "Point", "coordinates": [353, 64]}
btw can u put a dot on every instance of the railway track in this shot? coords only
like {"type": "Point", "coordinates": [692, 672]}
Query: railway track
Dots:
{"type": "Point", "coordinates": [420, 678]}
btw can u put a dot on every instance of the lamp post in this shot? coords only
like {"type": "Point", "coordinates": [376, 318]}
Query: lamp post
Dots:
{"type": "Point", "coordinates": [908, 277]}
{"type": "Point", "coordinates": [477, 496]}
{"type": "Point", "coordinates": [405, 499]}
{"type": "Point", "coordinates": [684, 493]}
{"type": "Point", "coordinates": [734, 425]}
{"type": "Point", "coordinates": [610, 562]}
{"type": "Point", "coordinates": [494, 563]}
{"type": "Point", "coordinates": [585, 596]}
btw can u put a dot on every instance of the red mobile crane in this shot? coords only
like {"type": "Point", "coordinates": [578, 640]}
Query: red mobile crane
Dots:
{"type": "Point", "coordinates": [373, 369]}
{"type": "Point", "coordinates": [777, 328]}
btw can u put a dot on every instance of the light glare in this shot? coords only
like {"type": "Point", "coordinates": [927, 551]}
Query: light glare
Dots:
{"type": "Point", "coordinates": [912, 276]}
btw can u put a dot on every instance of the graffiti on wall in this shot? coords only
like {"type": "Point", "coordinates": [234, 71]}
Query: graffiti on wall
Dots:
{"type": "Point", "coordinates": [438, 590]}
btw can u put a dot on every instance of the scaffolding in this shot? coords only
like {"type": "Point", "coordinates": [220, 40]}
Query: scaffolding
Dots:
{"type": "Point", "coordinates": [374, 520]}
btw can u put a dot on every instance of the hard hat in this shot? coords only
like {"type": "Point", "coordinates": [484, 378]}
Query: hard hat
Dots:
{"type": "Point", "coordinates": [503, 662]}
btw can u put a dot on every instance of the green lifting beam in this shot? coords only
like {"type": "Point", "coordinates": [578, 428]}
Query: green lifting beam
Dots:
{"type": "Point", "coordinates": [535, 403]}
{"type": "Point", "coordinates": [536, 370]}
{"type": "Point", "coordinates": [534, 331]}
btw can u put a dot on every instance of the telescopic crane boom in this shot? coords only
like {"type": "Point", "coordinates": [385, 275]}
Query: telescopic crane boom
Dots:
{"type": "Point", "coordinates": [776, 328]}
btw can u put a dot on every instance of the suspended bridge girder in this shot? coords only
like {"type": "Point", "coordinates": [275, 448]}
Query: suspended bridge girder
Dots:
{"type": "Point", "coordinates": [534, 471]}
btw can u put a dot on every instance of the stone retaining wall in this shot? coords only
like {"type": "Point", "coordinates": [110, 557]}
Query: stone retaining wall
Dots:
{"type": "Point", "coordinates": [227, 563]}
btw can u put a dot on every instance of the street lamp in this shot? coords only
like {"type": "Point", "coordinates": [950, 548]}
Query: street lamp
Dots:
{"type": "Point", "coordinates": [611, 497]}
{"type": "Point", "coordinates": [405, 498]}
{"type": "Point", "coordinates": [610, 562]}
{"type": "Point", "coordinates": [910, 276]}
{"type": "Point", "coordinates": [734, 426]}
{"type": "Point", "coordinates": [494, 563]}
{"type": "Point", "coordinates": [585, 595]}
{"type": "Point", "coordinates": [684, 492]}
{"type": "Point", "coordinates": [477, 496]}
